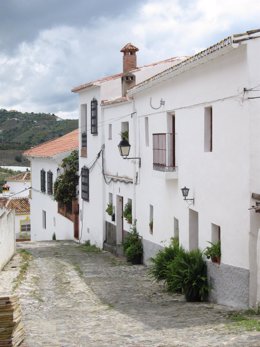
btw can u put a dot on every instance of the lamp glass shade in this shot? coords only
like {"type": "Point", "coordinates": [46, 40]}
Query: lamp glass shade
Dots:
{"type": "Point", "coordinates": [185, 191]}
{"type": "Point", "coordinates": [124, 148]}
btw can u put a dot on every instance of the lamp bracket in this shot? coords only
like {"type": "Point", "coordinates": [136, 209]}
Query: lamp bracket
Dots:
{"type": "Point", "coordinates": [162, 103]}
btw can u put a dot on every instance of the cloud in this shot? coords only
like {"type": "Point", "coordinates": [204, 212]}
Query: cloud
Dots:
{"type": "Point", "coordinates": [62, 52]}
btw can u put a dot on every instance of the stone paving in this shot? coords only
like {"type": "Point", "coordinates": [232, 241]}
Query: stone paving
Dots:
{"type": "Point", "coordinates": [71, 298]}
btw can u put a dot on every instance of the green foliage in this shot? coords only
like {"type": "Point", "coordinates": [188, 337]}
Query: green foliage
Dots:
{"type": "Point", "coordinates": [87, 247]}
{"type": "Point", "coordinates": [66, 183]}
{"type": "Point", "coordinates": [214, 251]}
{"type": "Point", "coordinates": [187, 273]}
{"type": "Point", "coordinates": [125, 135]}
{"type": "Point", "coordinates": [133, 247]}
{"type": "Point", "coordinates": [25, 130]}
{"type": "Point", "coordinates": [247, 320]}
{"type": "Point", "coordinates": [128, 212]}
{"type": "Point", "coordinates": [109, 209]}
{"type": "Point", "coordinates": [160, 262]}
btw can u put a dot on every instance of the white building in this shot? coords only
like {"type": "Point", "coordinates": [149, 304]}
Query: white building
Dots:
{"type": "Point", "coordinates": [19, 185]}
{"type": "Point", "coordinates": [195, 124]}
{"type": "Point", "coordinates": [46, 220]}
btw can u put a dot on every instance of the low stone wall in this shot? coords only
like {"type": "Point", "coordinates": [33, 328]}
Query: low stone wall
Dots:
{"type": "Point", "coordinates": [7, 236]}
{"type": "Point", "coordinates": [230, 285]}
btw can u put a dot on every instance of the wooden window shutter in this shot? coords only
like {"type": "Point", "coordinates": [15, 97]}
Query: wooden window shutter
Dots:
{"type": "Point", "coordinates": [94, 117]}
{"type": "Point", "coordinates": [43, 183]}
{"type": "Point", "coordinates": [49, 182]}
{"type": "Point", "coordinates": [85, 183]}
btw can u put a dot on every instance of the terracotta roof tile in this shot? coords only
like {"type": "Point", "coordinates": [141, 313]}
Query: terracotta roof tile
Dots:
{"type": "Point", "coordinates": [20, 205]}
{"type": "Point", "coordinates": [119, 75]}
{"type": "Point", "coordinates": [23, 176]}
{"type": "Point", "coordinates": [66, 143]}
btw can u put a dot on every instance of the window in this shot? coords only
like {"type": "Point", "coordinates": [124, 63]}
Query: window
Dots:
{"type": "Point", "coordinates": [43, 181]}
{"type": "Point", "coordinates": [215, 233]}
{"type": "Point", "coordinates": [110, 198]}
{"type": "Point", "coordinates": [25, 226]}
{"type": "Point", "coordinates": [125, 130]}
{"type": "Point", "coordinates": [83, 119]}
{"type": "Point", "coordinates": [44, 219]}
{"type": "Point", "coordinates": [208, 123]}
{"type": "Point", "coordinates": [85, 183]}
{"type": "Point", "coordinates": [146, 120]}
{"type": "Point", "coordinates": [110, 131]}
{"type": "Point", "coordinates": [49, 182]}
{"type": "Point", "coordinates": [151, 219]}
{"type": "Point", "coordinates": [176, 228]}
{"type": "Point", "coordinates": [94, 117]}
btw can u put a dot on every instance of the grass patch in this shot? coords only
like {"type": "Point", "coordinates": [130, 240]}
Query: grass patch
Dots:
{"type": "Point", "coordinates": [25, 261]}
{"type": "Point", "coordinates": [78, 269]}
{"type": "Point", "coordinates": [248, 320]}
{"type": "Point", "coordinates": [87, 247]}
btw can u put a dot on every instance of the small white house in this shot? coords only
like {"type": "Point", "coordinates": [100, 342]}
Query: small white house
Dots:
{"type": "Point", "coordinates": [195, 125]}
{"type": "Point", "coordinates": [19, 185]}
{"type": "Point", "coordinates": [46, 219]}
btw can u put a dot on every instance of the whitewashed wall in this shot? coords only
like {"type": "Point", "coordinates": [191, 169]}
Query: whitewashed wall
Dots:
{"type": "Point", "coordinates": [55, 223]}
{"type": "Point", "coordinates": [7, 236]}
{"type": "Point", "coordinates": [20, 189]}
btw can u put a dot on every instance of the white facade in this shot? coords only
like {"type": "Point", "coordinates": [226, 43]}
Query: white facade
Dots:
{"type": "Point", "coordinates": [19, 188]}
{"type": "Point", "coordinates": [45, 219]}
{"type": "Point", "coordinates": [7, 236]}
{"type": "Point", "coordinates": [211, 107]}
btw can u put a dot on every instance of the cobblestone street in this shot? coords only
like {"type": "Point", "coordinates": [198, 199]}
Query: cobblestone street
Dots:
{"type": "Point", "coordinates": [71, 298]}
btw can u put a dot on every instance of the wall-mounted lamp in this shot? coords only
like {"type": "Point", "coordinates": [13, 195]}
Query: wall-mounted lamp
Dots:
{"type": "Point", "coordinates": [124, 150]}
{"type": "Point", "coordinates": [185, 193]}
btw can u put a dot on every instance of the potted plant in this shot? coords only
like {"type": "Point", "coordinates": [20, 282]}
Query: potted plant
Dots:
{"type": "Point", "coordinates": [109, 209]}
{"type": "Point", "coordinates": [213, 252]}
{"type": "Point", "coordinates": [128, 212]}
{"type": "Point", "coordinates": [133, 247]}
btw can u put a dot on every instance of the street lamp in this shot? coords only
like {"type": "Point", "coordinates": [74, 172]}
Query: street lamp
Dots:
{"type": "Point", "coordinates": [185, 193]}
{"type": "Point", "coordinates": [124, 150]}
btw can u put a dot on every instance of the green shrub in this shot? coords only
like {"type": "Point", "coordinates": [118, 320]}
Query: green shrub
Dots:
{"type": "Point", "coordinates": [128, 212]}
{"type": "Point", "coordinates": [162, 259]}
{"type": "Point", "coordinates": [187, 273]}
{"type": "Point", "coordinates": [133, 247]}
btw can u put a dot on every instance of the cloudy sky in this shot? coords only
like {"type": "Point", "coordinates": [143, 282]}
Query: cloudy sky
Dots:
{"type": "Point", "coordinates": [47, 47]}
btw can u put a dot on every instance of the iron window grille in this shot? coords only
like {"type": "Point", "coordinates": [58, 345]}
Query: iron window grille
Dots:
{"type": "Point", "coordinates": [43, 181]}
{"type": "Point", "coordinates": [94, 117]}
{"type": "Point", "coordinates": [49, 182]}
{"type": "Point", "coordinates": [85, 183]}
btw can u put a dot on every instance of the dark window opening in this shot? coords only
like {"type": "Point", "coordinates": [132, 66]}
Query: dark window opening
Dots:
{"type": "Point", "coordinates": [85, 183]}
{"type": "Point", "coordinates": [49, 182]}
{"type": "Point", "coordinates": [43, 181]}
{"type": "Point", "coordinates": [94, 117]}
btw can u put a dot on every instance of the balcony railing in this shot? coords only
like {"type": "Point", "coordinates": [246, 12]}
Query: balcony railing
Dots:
{"type": "Point", "coordinates": [164, 152]}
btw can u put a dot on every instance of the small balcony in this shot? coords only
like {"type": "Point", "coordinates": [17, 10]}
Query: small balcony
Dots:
{"type": "Point", "coordinates": [164, 154]}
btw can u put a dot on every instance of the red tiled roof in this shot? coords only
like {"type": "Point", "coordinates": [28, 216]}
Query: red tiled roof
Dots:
{"type": "Point", "coordinates": [119, 75]}
{"type": "Point", "coordinates": [20, 205]}
{"type": "Point", "coordinates": [66, 143]}
{"type": "Point", "coordinates": [23, 176]}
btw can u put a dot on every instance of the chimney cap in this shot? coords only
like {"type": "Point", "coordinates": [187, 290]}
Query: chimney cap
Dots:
{"type": "Point", "coordinates": [129, 47]}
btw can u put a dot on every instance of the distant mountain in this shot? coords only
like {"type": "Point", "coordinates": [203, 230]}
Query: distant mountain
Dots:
{"type": "Point", "coordinates": [21, 131]}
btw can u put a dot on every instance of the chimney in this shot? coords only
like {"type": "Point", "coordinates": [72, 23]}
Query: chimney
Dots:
{"type": "Point", "coordinates": [129, 63]}
{"type": "Point", "coordinates": [129, 57]}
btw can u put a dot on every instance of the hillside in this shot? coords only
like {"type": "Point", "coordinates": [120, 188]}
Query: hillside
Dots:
{"type": "Point", "coordinates": [20, 131]}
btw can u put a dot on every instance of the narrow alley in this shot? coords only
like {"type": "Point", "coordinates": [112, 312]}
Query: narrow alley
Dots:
{"type": "Point", "coordinates": [74, 298]}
